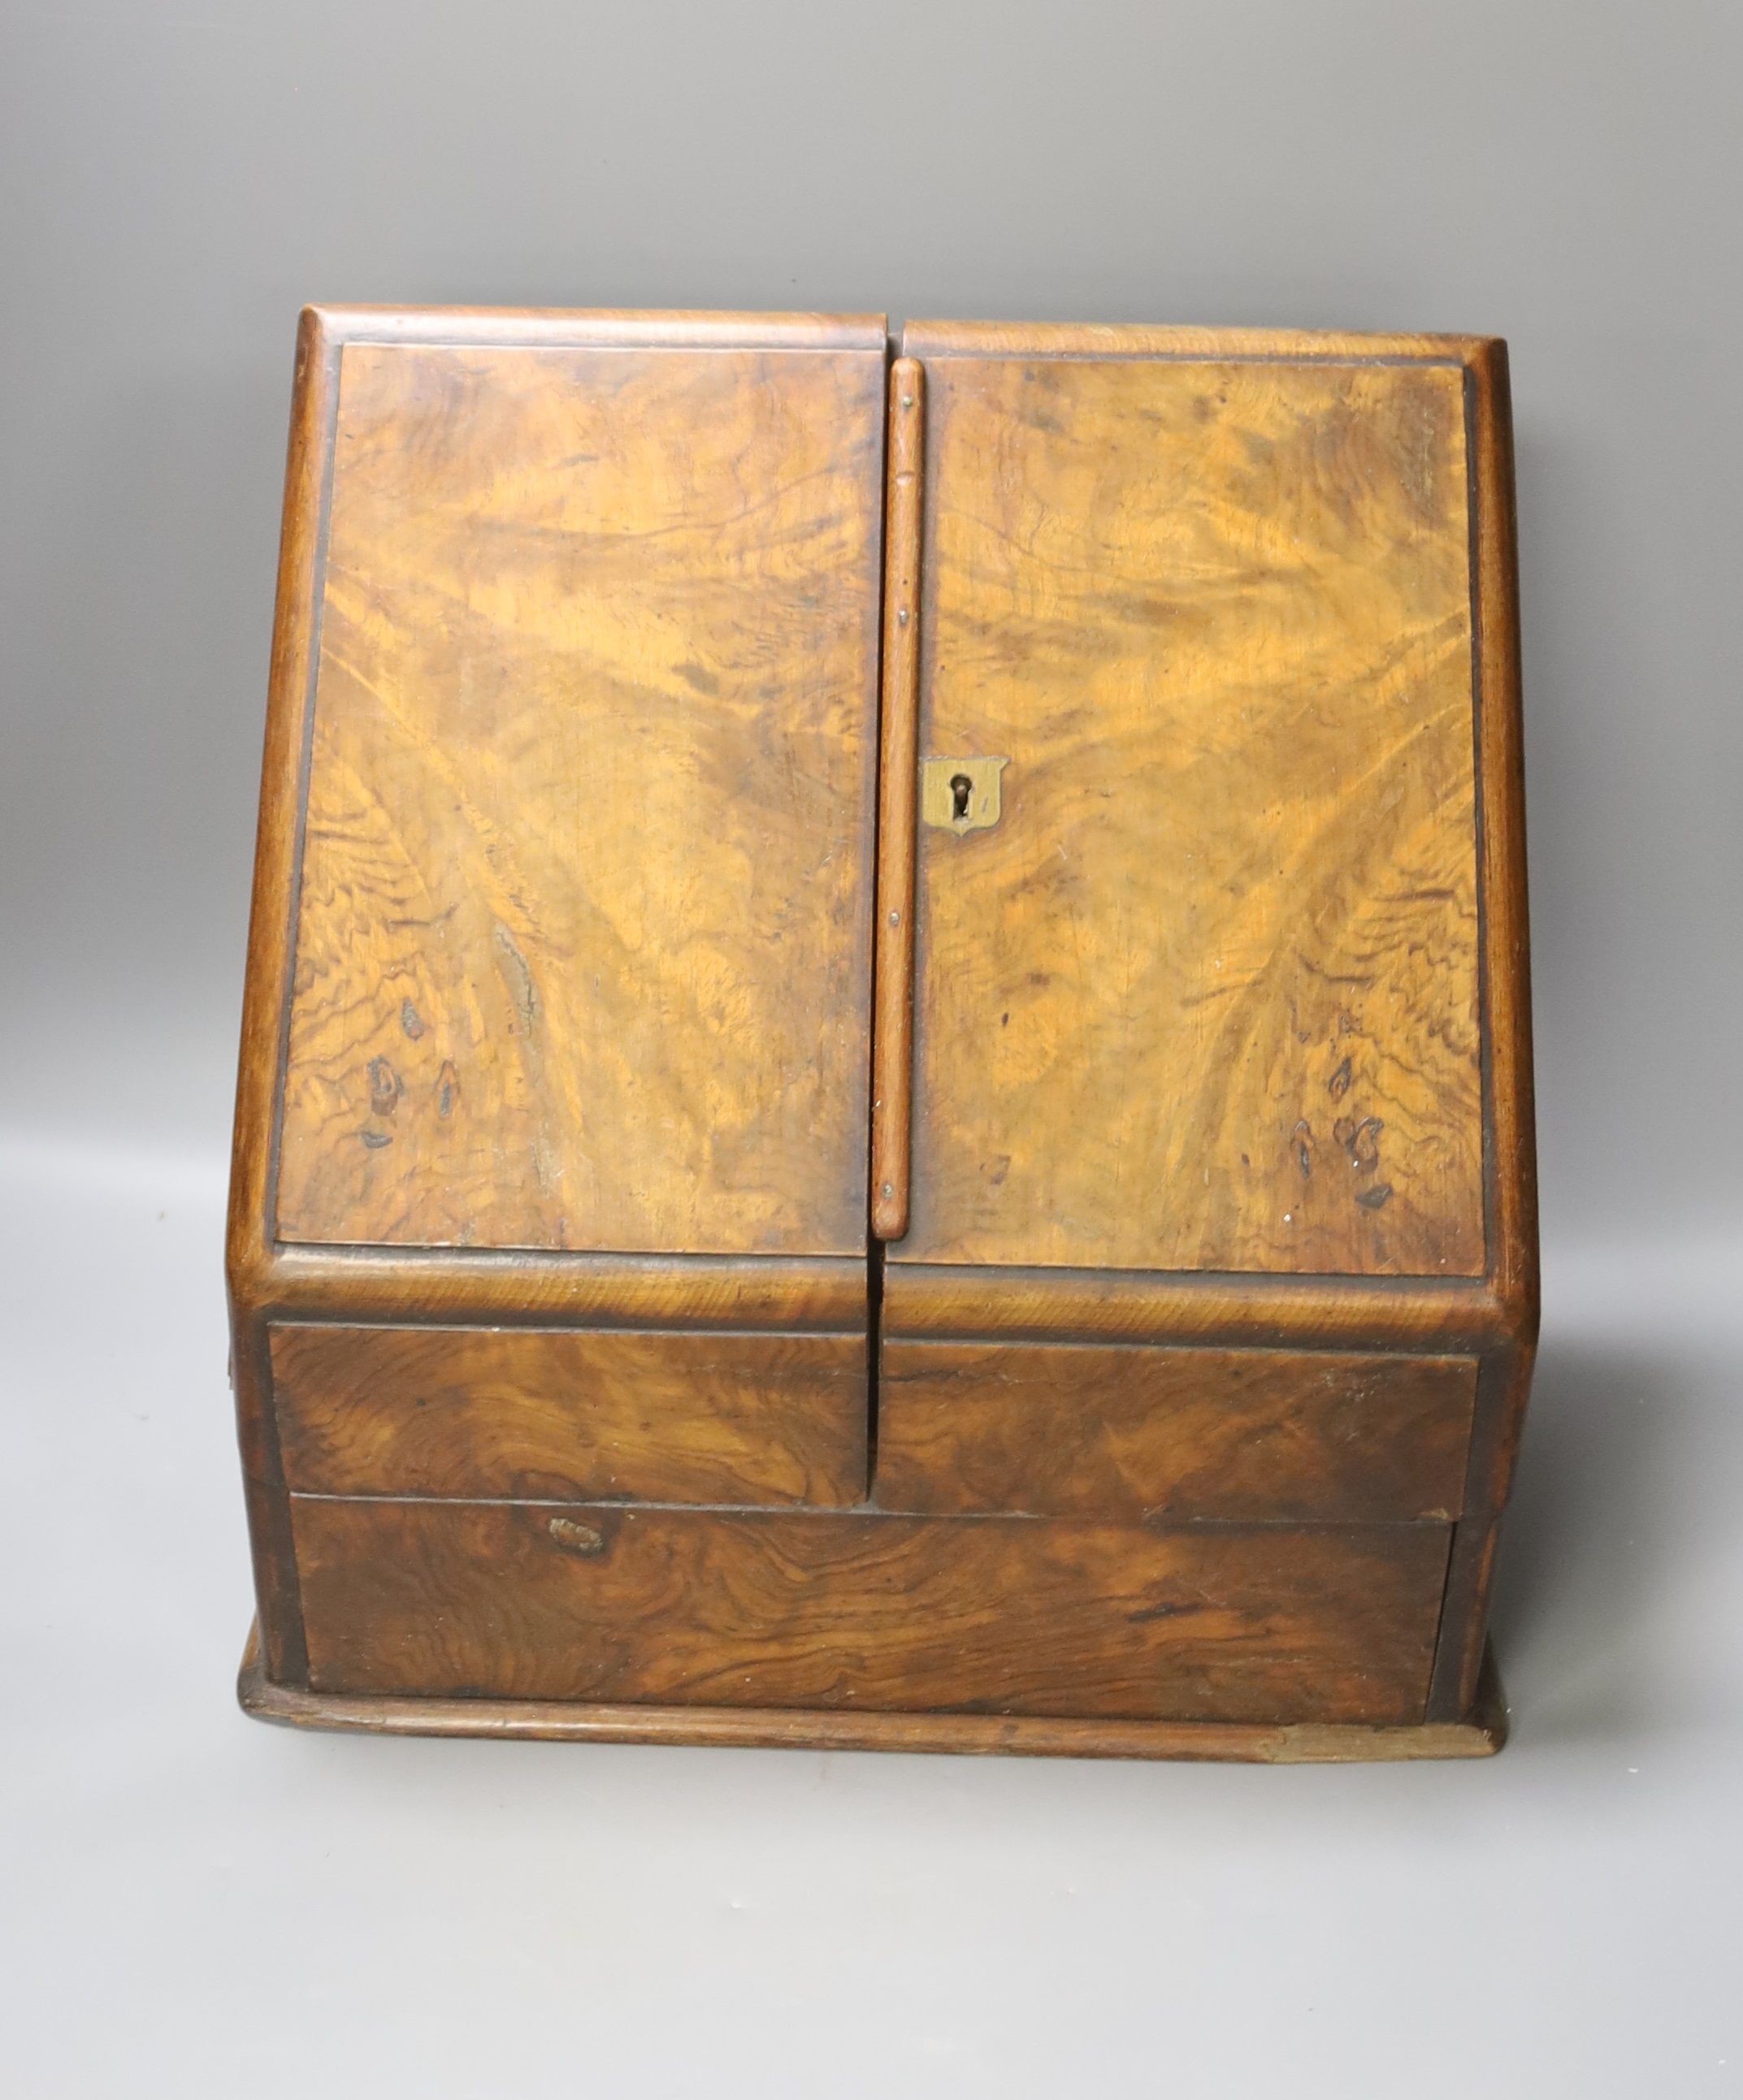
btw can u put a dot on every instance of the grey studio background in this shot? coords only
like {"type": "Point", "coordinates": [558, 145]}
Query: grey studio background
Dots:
{"type": "Point", "coordinates": [195, 1904]}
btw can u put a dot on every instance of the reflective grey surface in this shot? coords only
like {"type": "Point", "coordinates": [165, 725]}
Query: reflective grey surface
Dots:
{"type": "Point", "coordinates": [191, 1902]}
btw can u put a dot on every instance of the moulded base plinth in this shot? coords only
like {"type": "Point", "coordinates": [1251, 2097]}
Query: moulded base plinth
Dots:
{"type": "Point", "coordinates": [1479, 1734]}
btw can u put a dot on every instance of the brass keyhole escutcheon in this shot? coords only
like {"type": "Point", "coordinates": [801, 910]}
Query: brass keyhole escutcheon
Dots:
{"type": "Point", "coordinates": [961, 794]}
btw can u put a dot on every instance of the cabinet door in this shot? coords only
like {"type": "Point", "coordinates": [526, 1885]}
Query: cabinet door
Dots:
{"type": "Point", "coordinates": [583, 928]}
{"type": "Point", "coordinates": [1205, 996]}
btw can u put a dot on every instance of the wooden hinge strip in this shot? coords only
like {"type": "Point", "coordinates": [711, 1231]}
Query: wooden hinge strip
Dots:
{"type": "Point", "coordinates": [892, 989]}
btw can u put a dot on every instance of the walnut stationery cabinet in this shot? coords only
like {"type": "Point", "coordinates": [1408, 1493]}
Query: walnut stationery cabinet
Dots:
{"type": "Point", "coordinates": [885, 1091]}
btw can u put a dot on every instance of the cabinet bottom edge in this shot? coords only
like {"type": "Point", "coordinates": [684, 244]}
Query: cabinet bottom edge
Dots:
{"type": "Point", "coordinates": [1482, 1732]}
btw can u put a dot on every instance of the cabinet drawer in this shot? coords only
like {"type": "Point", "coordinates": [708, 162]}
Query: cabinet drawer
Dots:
{"type": "Point", "coordinates": [1115, 1431]}
{"type": "Point", "coordinates": [858, 1611]}
{"type": "Point", "coordinates": [520, 1412]}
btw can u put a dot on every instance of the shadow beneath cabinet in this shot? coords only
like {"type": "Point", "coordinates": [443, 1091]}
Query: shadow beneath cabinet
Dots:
{"type": "Point", "coordinates": [1613, 1515]}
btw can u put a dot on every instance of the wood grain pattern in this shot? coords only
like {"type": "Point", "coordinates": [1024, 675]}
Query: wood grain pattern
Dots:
{"type": "Point", "coordinates": [1479, 1733]}
{"type": "Point", "coordinates": [543, 1414]}
{"type": "Point", "coordinates": [1506, 918]}
{"type": "Point", "coordinates": [1206, 998]}
{"type": "Point", "coordinates": [962, 1300]}
{"type": "Point", "coordinates": [1463, 1617]}
{"type": "Point", "coordinates": [584, 944]}
{"type": "Point", "coordinates": [603, 328]}
{"type": "Point", "coordinates": [892, 1007]}
{"type": "Point", "coordinates": [933, 339]}
{"type": "Point", "coordinates": [1262, 621]}
{"type": "Point", "coordinates": [1506, 1383]}
{"type": "Point", "coordinates": [247, 1233]}
{"type": "Point", "coordinates": [1184, 1433]}
{"type": "Point", "coordinates": [1503, 1384]}
{"type": "Point", "coordinates": [758, 1293]}
{"type": "Point", "coordinates": [835, 1610]}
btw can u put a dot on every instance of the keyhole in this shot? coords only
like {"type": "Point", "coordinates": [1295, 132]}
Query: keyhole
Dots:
{"type": "Point", "coordinates": [961, 788]}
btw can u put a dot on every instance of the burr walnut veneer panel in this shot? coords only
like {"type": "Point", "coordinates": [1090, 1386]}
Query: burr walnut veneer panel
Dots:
{"type": "Point", "coordinates": [1206, 997]}
{"type": "Point", "coordinates": [583, 949]}
{"type": "Point", "coordinates": [530, 1412]}
{"type": "Point", "coordinates": [832, 1610]}
{"type": "Point", "coordinates": [1106, 1430]}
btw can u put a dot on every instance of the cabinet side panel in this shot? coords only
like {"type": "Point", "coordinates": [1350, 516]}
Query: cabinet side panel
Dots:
{"type": "Point", "coordinates": [1206, 998]}
{"type": "Point", "coordinates": [582, 956]}
{"type": "Point", "coordinates": [248, 1233]}
{"type": "Point", "coordinates": [1507, 933]}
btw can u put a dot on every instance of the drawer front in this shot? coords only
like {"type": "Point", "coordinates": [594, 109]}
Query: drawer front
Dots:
{"type": "Point", "coordinates": [1121, 1431]}
{"type": "Point", "coordinates": [861, 1611]}
{"type": "Point", "coordinates": [517, 1412]}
